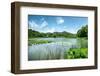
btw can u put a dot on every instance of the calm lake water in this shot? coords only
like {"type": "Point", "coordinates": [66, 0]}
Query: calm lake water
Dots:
{"type": "Point", "coordinates": [55, 49]}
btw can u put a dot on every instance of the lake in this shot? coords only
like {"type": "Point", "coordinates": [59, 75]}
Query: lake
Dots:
{"type": "Point", "coordinates": [55, 49]}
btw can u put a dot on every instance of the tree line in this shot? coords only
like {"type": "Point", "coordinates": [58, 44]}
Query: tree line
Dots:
{"type": "Point", "coordinates": [81, 33]}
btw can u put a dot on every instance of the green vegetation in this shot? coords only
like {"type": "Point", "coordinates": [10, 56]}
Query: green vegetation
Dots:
{"type": "Point", "coordinates": [81, 51]}
{"type": "Point", "coordinates": [35, 41]}
{"type": "Point", "coordinates": [36, 34]}
{"type": "Point", "coordinates": [74, 53]}
{"type": "Point", "coordinates": [82, 42]}
{"type": "Point", "coordinates": [83, 32]}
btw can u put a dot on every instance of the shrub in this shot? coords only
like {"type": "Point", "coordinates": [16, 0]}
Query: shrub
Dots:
{"type": "Point", "coordinates": [76, 53]}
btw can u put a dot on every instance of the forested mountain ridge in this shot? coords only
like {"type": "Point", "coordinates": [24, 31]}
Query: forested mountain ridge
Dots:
{"type": "Point", "coordinates": [82, 32]}
{"type": "Point", "coordinates": [33, 33]}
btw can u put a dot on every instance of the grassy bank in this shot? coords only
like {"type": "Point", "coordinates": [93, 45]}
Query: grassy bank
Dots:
{"type": "Point", "coordinates": [35, 41]}
{"type": "Point", "coordinates": [76, 53]}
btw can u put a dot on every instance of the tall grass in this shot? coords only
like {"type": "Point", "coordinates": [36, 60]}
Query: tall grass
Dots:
{"type": "Point", "coordinates": [47, 51]}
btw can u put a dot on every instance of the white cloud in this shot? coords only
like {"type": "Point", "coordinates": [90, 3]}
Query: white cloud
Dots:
{"type": "Point", "coordinates": [44, 24]}
{"type": "Point", "coordinates": [43, 27]}
{"type": "Point", "coordinates": [59, 20]}
{"type": "Point", "coordinates": [32, 25]}
{"type": "Point", "coordinates": [51, 30]}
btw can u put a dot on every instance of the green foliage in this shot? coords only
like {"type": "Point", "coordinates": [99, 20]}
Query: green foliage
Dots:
{"type": "Point", "coordinates": [82, 42]}
{"type": "Point", "coordinates": [32, 33]}
{"type": "Point", "coordinates": [76, 53]}
{"type": "Point", "coordinates": [36, 34]}
{"type": "Point", "coordinates": [35, 41]}
{"type": "Point", "coordinates": [83, 32]}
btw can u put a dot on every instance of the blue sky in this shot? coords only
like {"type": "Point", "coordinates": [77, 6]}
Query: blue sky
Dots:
{"type": "Point", "coordinates": [44, 23]}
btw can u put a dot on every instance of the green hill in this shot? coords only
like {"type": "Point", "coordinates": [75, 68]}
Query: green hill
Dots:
{"type": "Point", "coordinates": [33, 34]}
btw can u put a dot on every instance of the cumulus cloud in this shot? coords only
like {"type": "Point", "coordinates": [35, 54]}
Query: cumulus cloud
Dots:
{"type": "Point", "coordinates": [44, 24]}
{"type": "Point", "coordinates": [39, 27]}
{"type": "Point", "coordinates": [32, 25]}
{"type": "Point", "coordinates": [59, 20]}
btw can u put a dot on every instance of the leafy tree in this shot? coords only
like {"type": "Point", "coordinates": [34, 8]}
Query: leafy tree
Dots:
{"type": "Point", "coordinates": [30, 33]}
{"type": "Point", "coordinates": [33, 33]}
{"type": "Point", "coordinates": [83, 32]}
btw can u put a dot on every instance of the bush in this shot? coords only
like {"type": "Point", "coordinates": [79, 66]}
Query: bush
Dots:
{"type": "Point", "coordinates": [76, 53]}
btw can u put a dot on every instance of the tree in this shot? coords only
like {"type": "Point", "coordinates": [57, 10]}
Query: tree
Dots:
{"type": "Point", "coordinates": [83, 32]}
{"type": "Point", "coordinates": [35, 34]}
{"type": "Point", "coordinates": [30, 33]}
